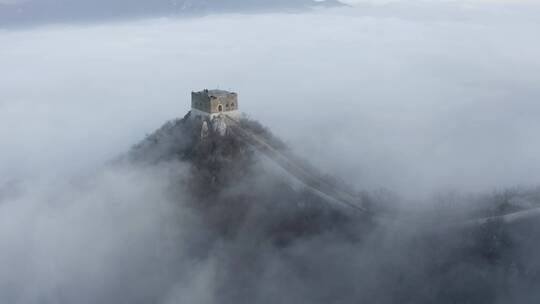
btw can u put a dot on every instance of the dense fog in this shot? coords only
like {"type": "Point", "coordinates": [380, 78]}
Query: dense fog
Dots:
{"type": "Point", "coordinates": [448, 101]}
{"type": "Point", "coordinates": [422, 105]}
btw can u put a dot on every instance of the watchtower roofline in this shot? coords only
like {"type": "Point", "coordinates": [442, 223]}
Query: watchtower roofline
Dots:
{"type": "Point", "coordinates": [214, 102]}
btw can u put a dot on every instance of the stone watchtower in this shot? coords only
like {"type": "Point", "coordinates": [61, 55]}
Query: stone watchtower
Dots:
{"type": "Point", "coordinates": [212, 103]}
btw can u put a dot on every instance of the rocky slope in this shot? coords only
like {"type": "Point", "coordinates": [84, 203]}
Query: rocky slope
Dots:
{"type": "Point", "coordinates": [274, 241]}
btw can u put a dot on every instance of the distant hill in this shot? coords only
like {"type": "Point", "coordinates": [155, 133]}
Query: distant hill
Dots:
{"type": "Point", "coordinates": [39, 12]}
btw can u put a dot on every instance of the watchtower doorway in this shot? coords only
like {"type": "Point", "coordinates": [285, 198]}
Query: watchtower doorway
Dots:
{"type": "Point", "coordinates": [220, 108]}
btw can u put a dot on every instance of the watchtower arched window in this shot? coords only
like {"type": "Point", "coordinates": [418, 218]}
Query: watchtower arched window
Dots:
{"type": "Point", "coordinates": [220, 108]}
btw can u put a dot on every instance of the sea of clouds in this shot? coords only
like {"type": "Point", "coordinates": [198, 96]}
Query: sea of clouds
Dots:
{"type": "Point", "coordinates": [415, 98]}
{"type": "Point", "coordinates": [443, 99]}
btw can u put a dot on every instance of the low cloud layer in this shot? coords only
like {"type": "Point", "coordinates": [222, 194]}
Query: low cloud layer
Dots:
{"type": "Point", "coordinates": [178, 220]}
{"type": "Point", "coordinates": [436, 101]}
{"type": "Point", "coordinates": [447, 103]}
{"type": "Point", "coordinates": [95, 239]}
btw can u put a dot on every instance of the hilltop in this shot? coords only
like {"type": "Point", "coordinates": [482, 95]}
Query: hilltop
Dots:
{"type": "Point", "coordinates": [270, 229]}
{"type": "Point", "coordinates": [234, 184]}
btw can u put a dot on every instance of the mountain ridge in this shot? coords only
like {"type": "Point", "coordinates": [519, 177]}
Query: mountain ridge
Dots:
{"type": "Point", "coordinates": [264, 229]}
{"type": "Point", "coordinates": [41, 12]}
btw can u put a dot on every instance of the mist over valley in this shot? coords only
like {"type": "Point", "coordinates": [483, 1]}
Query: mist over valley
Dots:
{"type": "Point", "coordinates": [398, 162]}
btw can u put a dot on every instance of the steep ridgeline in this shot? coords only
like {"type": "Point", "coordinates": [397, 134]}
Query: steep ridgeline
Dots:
{"type": "Point", "coordinates": [229, 178]}
{"type": "Point", "coordinates": [270, 219]}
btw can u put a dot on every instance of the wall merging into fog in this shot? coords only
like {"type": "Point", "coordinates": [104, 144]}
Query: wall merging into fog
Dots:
{"type": "Point", "coordinates": [419, 99]}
